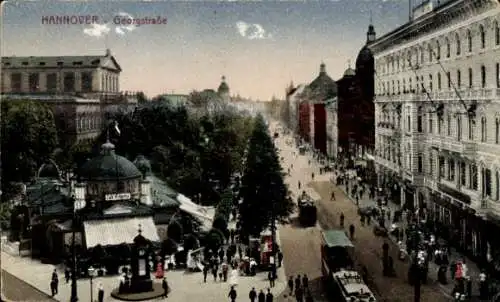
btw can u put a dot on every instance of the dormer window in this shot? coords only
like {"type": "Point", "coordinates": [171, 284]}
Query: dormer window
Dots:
{"type": "Point", "coordinates": [60, 63]}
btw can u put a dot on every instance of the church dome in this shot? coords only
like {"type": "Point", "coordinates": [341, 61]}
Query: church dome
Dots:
{"type": "Point", "coordinates": [223, 87]}
{"type": "Point", "coordinates": [365, 58]}
{"type": "Point", "coordinates": [143, 164]}
{"type": "Point", "coordinates": [349, 72]}
{"type": "Point", "coordinates": [323, 86]}
{"type": "Point", "coordinates": [109, 166]}
{"type": "Point", "coordinates": [49, 170]}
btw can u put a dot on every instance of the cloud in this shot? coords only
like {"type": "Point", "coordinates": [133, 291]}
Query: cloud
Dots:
{"type": "Point", "coordinates": [97, 30]}
{"type": "Point", "coordinates": [252, 31]}
{"type": "Point", "coordinates": [124, 29]}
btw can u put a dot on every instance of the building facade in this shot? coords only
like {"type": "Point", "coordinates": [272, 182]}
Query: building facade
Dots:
{"type": "Point", "coordinates": [332, 146]}
{"type": "Point", "coordinates": [437, 118]}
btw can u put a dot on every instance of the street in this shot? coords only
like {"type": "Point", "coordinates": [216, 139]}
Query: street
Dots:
{"type": "Point", "coordinates": [301, 246]}
{"type": "Point", "coordinates": [15, 289]}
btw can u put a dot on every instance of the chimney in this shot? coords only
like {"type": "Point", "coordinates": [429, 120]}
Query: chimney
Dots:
{"type": "Point", "coordinates": [146, 193]}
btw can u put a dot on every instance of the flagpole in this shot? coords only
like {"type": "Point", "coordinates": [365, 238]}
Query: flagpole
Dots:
{"type": "Point", "coordinates": [116, 163]}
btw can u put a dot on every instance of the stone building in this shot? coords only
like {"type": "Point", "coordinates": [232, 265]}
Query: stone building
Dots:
{"type": "Point", "coordinates": [437, 113]}
{"type": "Point", "coordinates": [77, 88]}
{"type": "Point", "coordinates": [293, 98]}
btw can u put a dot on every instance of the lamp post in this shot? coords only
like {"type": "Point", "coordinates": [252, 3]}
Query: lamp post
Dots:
{"type": "Point", "coordinates": [92, 273]}
{"type": "Point", "coordinates": [78, 204]}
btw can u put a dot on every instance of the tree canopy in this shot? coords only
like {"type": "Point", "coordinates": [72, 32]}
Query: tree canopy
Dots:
{"type": "Point", "coordinates": [263, 189]}
{"type": "Point", "coordinates": [29, 137]}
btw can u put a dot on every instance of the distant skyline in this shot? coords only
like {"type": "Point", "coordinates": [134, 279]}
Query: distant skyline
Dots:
{"type": "Point", "coordinates": [258, 46]}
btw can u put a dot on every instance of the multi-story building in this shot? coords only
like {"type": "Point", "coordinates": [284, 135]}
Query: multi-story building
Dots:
{"type": "Point", "coordinates": [293, 101]}
{"type": "Point", "coordinates": [78, 89]}
{"type": "Point", "coordinates": [437, 115]}
{"type": "Point", "coordinates": [332, 145]}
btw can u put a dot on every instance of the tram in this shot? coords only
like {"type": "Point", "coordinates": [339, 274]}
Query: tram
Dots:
{"type": "Point", "coordinates": [343, 282]}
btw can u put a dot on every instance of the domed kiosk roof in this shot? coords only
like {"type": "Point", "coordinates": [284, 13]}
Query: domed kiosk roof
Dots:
{"type": "Point", "coordinates": [349, 72]}
{"type": "Point", "coordinates": [323, 86]}
{"type": "Point", "coordinates": [109, 166]}
{"type": "Point", "coordinates": [49, 170]}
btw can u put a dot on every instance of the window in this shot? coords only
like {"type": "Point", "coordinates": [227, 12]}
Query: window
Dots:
{"type": "Point", "coordinates": [430, 82]}
{"type": "Point", "coordinates": [483, 76]}
{"type": "Point", "coordinates": [404, 85]}
{"type": "Point", "coordinates": [69, 81]}
{"type": "Point", "coordinates": [482, 35]}
{"type": "Point", "coordinates": [497, 130]}
{"type": "Point", "coordinates": [484, 134]}
{"type": "Point", "coordinates": [441, 167]}
{"type": "Point", "coordinates": [486, 182]}
{"type": "Point", "coordinates": [52, 82]}
{"type": "Point", "coordinates": [431, 123]}
{"type": "Point", "coordinates": [429, 49]}
{"type": "Point", "coordinates": [420, 164]}
{"type": "Point", "coordinates": [497, 33]}
{"type": "Point", "coordinates": [473, 176]}
{"type": "Point", "coordinates": [472, 128]}
{"type": "Point", "coordinates": [462, 174]}
{"type": "Point", "coordinates": [419, 119]}
{"type": "Point", "coordinates": [497, 75]}
{"type": "Point", "coordinates": [451, 169]}
{"type": "Point", "coordinates": [449, 124]}
{"type": "Point", "coordinates": [459, 128]}
{"type": "Point", "coordinates": [497, 188]}
{"type": "Point", "coordinates": [440, 125]}
{"type": "Point", "coordinates": [438, 51]}
{"type": "Point", "coordinates": [469, 41]}
{"type": "Point", "coordinates": [34, 82]}
{"type": "Point", "coordinates": [431, 164]}
{"type": "Point", "coordinates": [448, 48]}
{"type": "Point", "coordinates": [422, 59]}
{"type": "Point", "coordinates": [439, 81]}
{"type": "Point", "coordinates": [470, 78]}
{"type": "Point", "coordinates": [15, 82]}
{"type": "Point", "coordinates": [399, 87]}
{"type": "Point", "coordinates": [459, 78]}
{"type": "Point", "coordinates": [448, 75]}
{"type": "Point", "coordinates": [459, 46]}
{"type": "Point", "coordinates": [86, 81]}
{"type": "Point", "coordinates": [410, 84]}
{"type": "Point", "coordinates": [408, 122]}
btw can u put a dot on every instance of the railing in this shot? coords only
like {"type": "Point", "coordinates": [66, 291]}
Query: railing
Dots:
{"type": "Point", "coordinates": [482, 94]}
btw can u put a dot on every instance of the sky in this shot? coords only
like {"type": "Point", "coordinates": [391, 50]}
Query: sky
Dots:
{"type": "Point", "coordinates": [260, 47]}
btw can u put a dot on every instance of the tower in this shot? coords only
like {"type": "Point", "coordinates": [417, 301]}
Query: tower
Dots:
{"type": "Point", "coordinates": [370, 34]}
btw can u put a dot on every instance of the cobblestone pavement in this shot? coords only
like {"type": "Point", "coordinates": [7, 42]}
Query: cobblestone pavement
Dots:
{"type": "Point", "coordinates": [368, 250]}
{"type": "Point", "coordinates": [14, 289]}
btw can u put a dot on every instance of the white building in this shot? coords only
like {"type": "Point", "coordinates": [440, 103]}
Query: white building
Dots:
{"type": "Point", "coordinates": [437, 118]}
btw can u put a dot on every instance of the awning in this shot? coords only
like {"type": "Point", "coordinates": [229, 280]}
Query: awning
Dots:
{"type": "Point", "coordinates": [336, 238]}
{"type": "Point", "coordinates": [117, 231]}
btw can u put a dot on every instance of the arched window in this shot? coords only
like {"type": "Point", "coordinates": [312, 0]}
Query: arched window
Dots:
{"type": "Point", "coordinates": [410, 84]}
{"type": "Point", "coordinates": [430, 82]}
{"type": "Point", "coordinates": [399, 88]}
{"type": "Point", "coordinates": [497, 130]}
{"type": "Point", "coordinates": [439, 81]}
{"type": "Point", "coordinates": [459, 78]}
{"type": "Point", "coordinates": [482, 35]}
{"type": "Point", "coordinates": [448, 48]}
{"type": "Point", "coordinates": [420, 115]}
{"type": "Point", "coordinates": [448, 117]}
{"type": "Point", "coordinates": [459, 44]}
{"type": "Point", "coordinates": [404, 85]}
{"type": "Point", "coordinates": [393, 87]}
{"type": "Point", "coordinates": [471, 81]}
{"type": "Point", "coordinates": [497, 33]}
{"type": "Point", "coordinates": [472, 128]}
{"type": "Point", "coordinates": [429, 50]}
{"type": "Point", "coordinates": [469, 40]}
{"type": "Point", "coordinates": [483, 76]}
{"type": "Point", "coordinates": [438, 51]}
{"type": "Point", "coordinates": [484, 134]}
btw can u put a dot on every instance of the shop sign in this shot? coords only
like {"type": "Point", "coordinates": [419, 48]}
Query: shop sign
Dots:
{"type": "Point", "coordinates": [117, 196]}
{"type": "Point", "coordinates": [455, 194]}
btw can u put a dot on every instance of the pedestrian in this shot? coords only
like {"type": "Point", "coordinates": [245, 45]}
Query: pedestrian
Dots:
{"type": "Point", "coordinates": [299, 294]}
{"type": "Point", "coordinates": [332, 198]}
{"type": "Point", "coordinates": [309, 297]}
{"type": "Point", "coordinates": [312, 176]}
{"type": "Point", "coordinates": [290, 285]}
{"type": "Point", "coordinates": [205, 272]}
{"type": "Point", "coordinates": [270, 277]}
{"type": "Point", "coordinates": [214, 272]}
{"type": "Point", "coordinates": [280, 258]}
{"type": "Point", "coordinates": [225, 269]}
{"type": "Point", "coordinates": [252, 295]}
{"type": "Point", "coordinates": [342, 217]}
{"type": "Point", "coordinates": [298, 281]}
{"type": "Point", "coordinates": [67, 274]}
{"type": "Point", "coordinates": [54, 284]}
{"type": "Point", "coordinates": [351, 231]}
{"type": "Point", "coordinates": [53, 287]}
{"type": "Point", "coordinates": [100, 293]}
{"type": "Point", "coordinates": [232, 294]}
{"type": "Point", "coordinates": [261, 297]}
{"type": "Point", "coordinates": [305, 282]}
{"type": "Point", "coordinates": [269, 296]}
{"type": "Point", "coordinates": [164, 285]}
{"type": "Point", "coordinates": [368, 219]}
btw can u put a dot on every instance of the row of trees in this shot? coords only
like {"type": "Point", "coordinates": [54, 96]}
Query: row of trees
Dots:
{"type": "Point", "coordinates": [264, 193]}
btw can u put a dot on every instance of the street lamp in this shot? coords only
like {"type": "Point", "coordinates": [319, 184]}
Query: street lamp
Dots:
{"type": "Point", "coordinates": [92, 273]}
{"type": "Point", "coordinates": [78, 204]}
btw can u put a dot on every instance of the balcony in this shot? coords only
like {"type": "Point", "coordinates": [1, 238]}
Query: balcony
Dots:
{"type": "Point", "coordinates": [469, 149]}
{"type": "Point", "coordinates": [481, 94]}
{"type": "Point", "coordinates": [445, 143]}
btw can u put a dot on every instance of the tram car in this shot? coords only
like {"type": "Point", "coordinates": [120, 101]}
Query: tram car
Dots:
{"type": "Point", "coordinates": [308, 213]}
{"type": "Point", "coordinates": [343, 282]}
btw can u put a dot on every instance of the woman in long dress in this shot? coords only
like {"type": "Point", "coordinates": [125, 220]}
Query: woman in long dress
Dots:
{"type": "Point", "coordinates": [233, 281]}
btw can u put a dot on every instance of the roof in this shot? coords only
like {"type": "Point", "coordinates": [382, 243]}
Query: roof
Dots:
{"type": "Point", "coordinates": [109, 166]}
{"type": "Point", "coordinates": [336, 238]}
{"type": "Point", "coordinates": [352, 284]}
{"type": "Point", "coordinates": [365, 57]}
{"type": "Point", "coordinates": [349, 72]}
{"type": "Point", "coordinates": [111, 232]}
{"type": "Point", "coordinates": [323, 85]}
{"type": "Point", "coordinates": [103, 61]}
{"type": "Point", "coordinates": [223, 87]}
{"type": "Point", "coordinates": [161, 193]}
{"type": "Point", "coordinates": [50, 194]}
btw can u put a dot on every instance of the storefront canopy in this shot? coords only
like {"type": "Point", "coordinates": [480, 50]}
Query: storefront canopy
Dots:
{"type": "Point", "coordinates": [111, 232]}
{"type": "Point", "coordinates": [336, 238]}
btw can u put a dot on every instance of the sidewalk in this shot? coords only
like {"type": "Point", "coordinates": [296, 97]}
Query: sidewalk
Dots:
{"type": "Point", "coordinates": [473, 269]}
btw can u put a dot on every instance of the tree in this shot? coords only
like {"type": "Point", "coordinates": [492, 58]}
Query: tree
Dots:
{"type": "Point", "coordinates": [141, 97]}
{"type": "Point", "coordinates": [29, 137]}
{"type": "Point", "coordinates": [264, 192]}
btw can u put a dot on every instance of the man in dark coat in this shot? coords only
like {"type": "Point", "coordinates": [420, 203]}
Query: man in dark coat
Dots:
{"type": "Point", "coordinates": [54, 283]}
{"type": "Point", "coordinates": [305, 282]}
{"type": "Point", "coordinates": [269, 296]}
{"type": "Point", "coordinates": [290, 285]}
{"type": "Point", "coordinates": [67, 274]}
{"type": "Point", "coordinates": [299, 294]}
{"type": "Point", "coordinates": [164, 285]}
{"type": "Point", "coordinates": [342, 217]}
{"type": "Point", "coordinates": [252, 295]}
{"type": "Point", "coordinates": [351, 231]}
{"type": "Point", "coordinates": [232, 294]}
{"type": "Point", "coordinates": [297, 282]}
{"type": "Point", "coordinates": [262, 296]}
{"type": "Point", "coordinates": [270, 277]}
{"type": "Point", "coordinates": [280, 258]}
{"type": "Point", "coordinates": [205, 272]}
{"type": "Point", "coordinates": [100, 293]}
